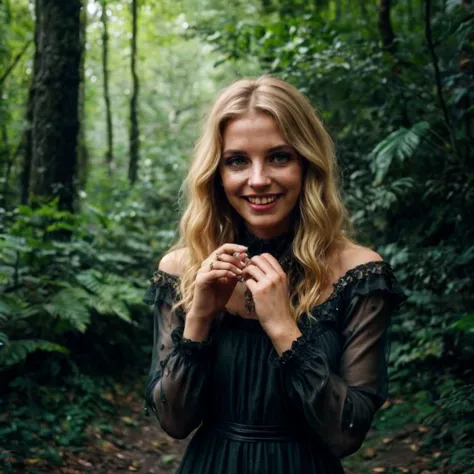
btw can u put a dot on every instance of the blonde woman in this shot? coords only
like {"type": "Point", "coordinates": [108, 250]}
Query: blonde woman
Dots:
{"type": "Point", "coordinates": [270, 321]}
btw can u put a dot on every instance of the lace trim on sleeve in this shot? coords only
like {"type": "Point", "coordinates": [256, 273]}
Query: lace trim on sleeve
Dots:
{"type": "Point", "coordinates": [301, 349]}
{"type": "Point", "coordinates": [191, 350]}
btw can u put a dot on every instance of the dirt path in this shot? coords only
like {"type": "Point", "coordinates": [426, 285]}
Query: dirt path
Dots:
{"type": "Point", "coordinates": [135, 443]}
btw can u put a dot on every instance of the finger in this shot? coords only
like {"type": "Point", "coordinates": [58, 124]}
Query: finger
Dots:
{"type": "Point", "coordinates": [252, 271]}
{"type": "Point", "coordinates": [236, 259]}
{"type": "Point", "coordinates": [274, 263]}
{"type": "Point", "coordinates": [226, 249]}
{"type": "Point", "coordinates": [252, 285]}
{"type": "Point", "coordinates": [264, 265]}
{"type": "Point", "coordinates": [217, 274]}
{"type": "Point", "coordinates": [219, 265]}
{"type": "Point", "coordinates": [231, 248]}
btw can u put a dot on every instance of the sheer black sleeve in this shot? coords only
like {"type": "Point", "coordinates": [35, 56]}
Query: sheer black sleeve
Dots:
{"type": "Point", "coordinates": [180, 367]}
{"type": "Point", "coordinates": [340, 406]}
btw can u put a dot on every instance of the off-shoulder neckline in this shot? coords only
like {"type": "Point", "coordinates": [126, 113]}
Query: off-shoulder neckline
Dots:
{"type": "Point", "coordinates": [353, 274]}
{"type": "Point", "coordinates": [348, 273]}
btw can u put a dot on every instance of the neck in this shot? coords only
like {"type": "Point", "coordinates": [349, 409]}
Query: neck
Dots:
{"type": "Point", "coordinates": [275, 244]}
{"type": "Point", "coordinates": [266, 234]}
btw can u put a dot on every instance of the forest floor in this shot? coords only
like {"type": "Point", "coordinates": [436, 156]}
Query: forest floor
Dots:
{"type": "Point", "coordinates": [135, 443]}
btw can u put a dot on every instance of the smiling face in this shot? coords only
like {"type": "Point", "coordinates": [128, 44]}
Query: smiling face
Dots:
{"type": "Point", "coordinates": [261, 174]}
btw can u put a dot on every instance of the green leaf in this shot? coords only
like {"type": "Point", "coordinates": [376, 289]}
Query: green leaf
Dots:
{"type": "Point", "coordinates": [16, 351]}
{"type": "Point", "coordinates": [399, 145]}
{"type": "Point", "coordinates": [465, 324]}
{"type": "Point", "coordinates": [72, 305]}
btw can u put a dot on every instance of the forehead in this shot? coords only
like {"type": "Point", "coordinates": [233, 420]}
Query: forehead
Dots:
{"type": "Point", "coordinates": [252, 130]}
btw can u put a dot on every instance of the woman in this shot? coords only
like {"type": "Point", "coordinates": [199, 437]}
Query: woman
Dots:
{"type": "Point", "coordinates": [270, 322]}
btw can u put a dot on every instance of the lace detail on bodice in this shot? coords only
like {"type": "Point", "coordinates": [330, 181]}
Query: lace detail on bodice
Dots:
{"type": "Point", "coordinates": [354, 275]}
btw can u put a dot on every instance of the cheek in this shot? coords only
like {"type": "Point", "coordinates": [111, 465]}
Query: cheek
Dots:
{"type": "Point", "coordinates": [230, 182]}
{"type": "Point", "coordinates": [293, 180]}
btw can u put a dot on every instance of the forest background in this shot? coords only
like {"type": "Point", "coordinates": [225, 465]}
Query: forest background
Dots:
{"type": "Point", "coordinates": [100, 103]}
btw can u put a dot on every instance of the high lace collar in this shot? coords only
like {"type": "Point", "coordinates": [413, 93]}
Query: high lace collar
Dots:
{"type": "Point", "coordinates": [277, 246]}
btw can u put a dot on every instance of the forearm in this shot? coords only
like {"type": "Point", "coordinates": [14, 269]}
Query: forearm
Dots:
{"type": "Point", "coordinates": [339, 414]}
{"type": "Point", "coordinates": [179, 386]}
{"type": "Point", "coordinates": [196, 328]}
{"type": "Point", "coordinates": [283, 335]}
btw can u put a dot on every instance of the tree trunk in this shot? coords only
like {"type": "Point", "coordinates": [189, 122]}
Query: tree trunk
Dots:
{"type": "Point", "coordinates": [385, 26]}
{"type": "Point", "coordinates": [134, 131]}
{"type": "Point", "coordinates": [338, 9]}
{"type": "Point", "coordinates": [411, 15]}
{"type": "Point", "coordinates": [5, 160]}
{"type": "Point", "coordinates": [364, 11]}
{"type": "Point", "coordinates": [55, 108]}
{"type": "Point", "coordinates": [28, 132]}
{"type": "Point", "coordinates": [82, 153]}
{"type": "Point", "coordinates": [109, 157]}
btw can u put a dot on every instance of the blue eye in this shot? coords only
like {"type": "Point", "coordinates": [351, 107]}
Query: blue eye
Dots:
{"type": "Point", "coordinates": [236, 161]}
{"type": "Point", "coordinates": [281, 158]}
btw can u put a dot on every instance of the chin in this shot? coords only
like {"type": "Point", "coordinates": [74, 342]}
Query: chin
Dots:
{"type": "Point", "coordinates": [263, 225]}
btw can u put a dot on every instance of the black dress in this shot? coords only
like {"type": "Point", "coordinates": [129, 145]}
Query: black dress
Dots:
{"type": "Point", "coordinates": [259, 413]}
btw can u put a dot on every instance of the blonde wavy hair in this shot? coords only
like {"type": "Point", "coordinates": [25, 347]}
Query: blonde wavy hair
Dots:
{"type": "Point", "coordinates": [322, 226]}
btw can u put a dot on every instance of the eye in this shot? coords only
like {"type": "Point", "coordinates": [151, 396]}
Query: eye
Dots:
{"type": "Point", "coordinates": [236, 161]}
{"type": "Point", "coordinates": [281, 158]}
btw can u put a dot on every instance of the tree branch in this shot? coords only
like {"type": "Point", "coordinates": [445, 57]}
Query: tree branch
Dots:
{"type": "Point", "coordinates": [439, 86]}
{"type": "Point", "coordinates": [14, 63]}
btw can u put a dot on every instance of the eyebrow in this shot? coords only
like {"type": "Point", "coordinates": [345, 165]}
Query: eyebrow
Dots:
{"type": "Point", "coordinates": [270, 150]}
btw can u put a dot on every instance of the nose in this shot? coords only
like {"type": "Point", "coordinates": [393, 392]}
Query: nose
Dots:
{"type": "Point", "coordinates": [259, 177]}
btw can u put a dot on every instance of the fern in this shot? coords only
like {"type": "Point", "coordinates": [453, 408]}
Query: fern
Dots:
{"type": "Point", "coordinates": [111, 293]}
{"type": "Point", "coordinates": [72, 305]}
{"type": "Point", "coordinates": [13, 352]}
{"type": "Point", "coordinates": [399, 145]}
{"type": "Point", "coordinates": [388, 196]}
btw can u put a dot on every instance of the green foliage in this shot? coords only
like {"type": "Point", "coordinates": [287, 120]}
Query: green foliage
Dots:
{"type": "Point", "coordinates": [55, 418]}
{"type": "Point", "coordinates": [14, 352]}
{"type": "Point", "coordinates": [64, 284]}
{"type": "Point", "coordinates": [453, 418]}
{"type": "Point", "coordinates": [399, 145]}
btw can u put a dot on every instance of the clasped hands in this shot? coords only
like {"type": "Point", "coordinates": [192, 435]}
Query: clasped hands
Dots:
{"type": "Point", "coordinates": [263, 277]}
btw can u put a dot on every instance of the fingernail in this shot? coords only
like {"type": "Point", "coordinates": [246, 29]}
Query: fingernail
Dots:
{"type": "Point", "coordinates": [239, 270]}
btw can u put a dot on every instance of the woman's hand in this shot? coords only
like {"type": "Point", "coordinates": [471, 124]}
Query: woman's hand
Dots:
{"type": "Point", "coordinates": [216, 280]}
{"type": "Point", "coordinates": [268, 284]}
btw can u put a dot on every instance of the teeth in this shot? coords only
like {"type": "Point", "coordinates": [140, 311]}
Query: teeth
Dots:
{"type": "Point", "coordinates": [265, 200]}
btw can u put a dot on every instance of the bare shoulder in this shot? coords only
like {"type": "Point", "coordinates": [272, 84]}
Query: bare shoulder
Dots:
{"type": "Point", "coordinates": [172, 262]}
{"type": "Point", "coordinates": [354, 255]}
